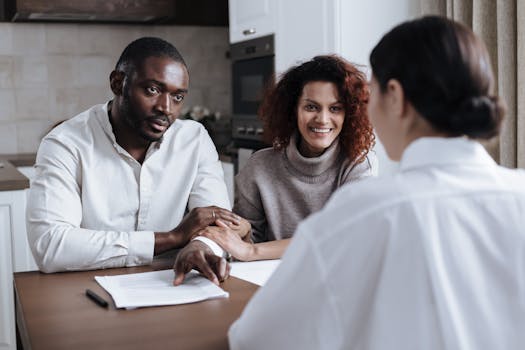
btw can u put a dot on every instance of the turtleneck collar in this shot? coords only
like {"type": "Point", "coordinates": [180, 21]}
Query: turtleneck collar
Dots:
{"type": "Point", "coordinates": [311, 166]}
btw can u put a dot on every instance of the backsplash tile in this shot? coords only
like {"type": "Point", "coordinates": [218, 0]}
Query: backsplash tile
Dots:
{"type": "Point", "coordinates": [30, 72]}
{"type": "Point", "coordinates": [92, 70]}
{"type": "Point", "coordinates": [62, 38]}
{"type": "Point", "coordinates": [8, 138]}
{"type": "Point", "coordinates": [6, 71]}
{"type": "Point", "coordinates": [6, 42]}
{"type": "Point", "coordinates": [28, 38]}
{"type": "Point", "coordinates": [30, 133]}
{"type": "Point", "coordinates": [96, 94]}
{"type": "Point", "coordinates": [66, 103]}
{"type": "Point", "coordinates": [7, 105]}
{"type": "Point", "coordinates": [60, 71]}
{"type": "Point", "coordinates": [51, 72]}
{"type": "Point", "coordinates": [32, 103]}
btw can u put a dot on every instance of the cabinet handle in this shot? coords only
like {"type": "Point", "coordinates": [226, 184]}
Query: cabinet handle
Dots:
{"type": "Point", "coordinates": [249, 31]}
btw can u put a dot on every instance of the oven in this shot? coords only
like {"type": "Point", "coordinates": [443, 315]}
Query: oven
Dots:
{"type": "Point", "coordinates": [253, 64]}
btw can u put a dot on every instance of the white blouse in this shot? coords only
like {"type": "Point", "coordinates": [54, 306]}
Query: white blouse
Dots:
{"type": "Point", "coordinates": [92, 205]}
{"type": "Point", "coordinates": [430, 258]}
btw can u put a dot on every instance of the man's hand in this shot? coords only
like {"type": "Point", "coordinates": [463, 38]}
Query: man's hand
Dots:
{"type": "Point", "coordinates": [229, 240]}
{"type": "Point", "coordinates": [197, 255]}
{"type": "Point", "coordinates": [191, 224]}
{"type": "Point", "coordinates": [199, 218]}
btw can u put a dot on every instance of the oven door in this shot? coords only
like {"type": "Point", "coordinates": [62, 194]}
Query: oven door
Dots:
{"type": "Point", "coordinates": [249, 79]}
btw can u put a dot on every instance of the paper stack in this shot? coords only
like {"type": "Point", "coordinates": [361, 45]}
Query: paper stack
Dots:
{"type": "Point", "coordinates": [156, 289]}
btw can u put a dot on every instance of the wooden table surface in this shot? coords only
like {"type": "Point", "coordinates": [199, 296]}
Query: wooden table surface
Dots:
{"type": "Point", "coordinates": [54, 313]}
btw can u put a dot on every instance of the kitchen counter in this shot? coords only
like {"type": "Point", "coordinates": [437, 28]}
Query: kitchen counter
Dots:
{"type": "Point", "coordinates": [10, 178]}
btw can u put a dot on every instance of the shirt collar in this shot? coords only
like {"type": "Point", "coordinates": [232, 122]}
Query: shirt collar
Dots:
{"type": "Point", "coordinates": [429, 151]}
{"type": "Point", "coordinates": [103, 117]}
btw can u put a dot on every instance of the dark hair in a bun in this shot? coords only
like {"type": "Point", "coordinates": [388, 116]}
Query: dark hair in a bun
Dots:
{"type": "Point", "coordinates": [477, 117]}
{"type": "Point", "coordinates": [445, 72]}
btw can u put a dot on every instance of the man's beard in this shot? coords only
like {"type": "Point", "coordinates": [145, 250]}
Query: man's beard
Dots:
{"type": "Point", "coordinates": [136, 122]}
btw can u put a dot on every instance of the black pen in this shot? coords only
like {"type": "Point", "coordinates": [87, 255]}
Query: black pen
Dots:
{"type": "Point", "coordinates": [96, 298]}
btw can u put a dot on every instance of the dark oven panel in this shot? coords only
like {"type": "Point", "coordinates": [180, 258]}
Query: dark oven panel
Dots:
{"type": "Point", "coordinates": [252, 68]}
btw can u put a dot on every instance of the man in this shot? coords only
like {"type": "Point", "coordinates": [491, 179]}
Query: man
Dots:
{"type": "Point", "coordinates": [113, 183]}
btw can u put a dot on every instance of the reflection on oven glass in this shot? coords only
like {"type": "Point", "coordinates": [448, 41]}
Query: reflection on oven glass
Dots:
{"type": "Point", "coordinates": [251, 86]}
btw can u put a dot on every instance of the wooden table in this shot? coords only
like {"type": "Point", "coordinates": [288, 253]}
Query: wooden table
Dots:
{"type": "Point", "coordinates": [53, 313]}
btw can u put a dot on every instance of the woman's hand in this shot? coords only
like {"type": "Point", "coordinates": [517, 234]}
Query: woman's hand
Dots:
{"type": "Point", "coordinates": [229, 240]}
{"type": "Point", "coordinates": [243, 228]}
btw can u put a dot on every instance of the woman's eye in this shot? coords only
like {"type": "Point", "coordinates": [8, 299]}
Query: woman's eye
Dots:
{"type": "Point", "coordinates": [178, 97]}
{"type": "Point", "coordinates": [152, 90]}
{"type": "Point", "coordinates": [336, 109]}
{"type": "Point", "coordinates": [310, 108]}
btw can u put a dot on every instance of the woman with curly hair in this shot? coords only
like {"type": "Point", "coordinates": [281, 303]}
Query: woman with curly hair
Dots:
{"type": "Point", "coordinates": [316, 119]}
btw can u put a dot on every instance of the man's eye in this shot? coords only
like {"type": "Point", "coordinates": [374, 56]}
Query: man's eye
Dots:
{"type": "Point", "coordinates": [152, 90]}
{"type": "Point", "coordinates": [178, 97]}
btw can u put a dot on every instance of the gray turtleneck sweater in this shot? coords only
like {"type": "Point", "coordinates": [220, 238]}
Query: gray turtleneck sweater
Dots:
{"type": "Point", "coordinates": [277, 189]}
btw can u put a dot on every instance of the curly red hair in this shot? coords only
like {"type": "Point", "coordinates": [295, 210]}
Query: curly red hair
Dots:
{"type": "Point", "coordinates": [278, 108]}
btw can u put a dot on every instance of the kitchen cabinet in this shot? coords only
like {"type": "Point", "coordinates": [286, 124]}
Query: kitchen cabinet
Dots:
{"type": "Point", "coordinates": [306, 28]}
{"type": "Point", "coordinates": [7, 316]}
{"type": "Point", "coordinates": [251, 19]}
{"type": "Point", "coordinates": [15, 256]}
{"type": "Point", "coordinates": [302, 28]}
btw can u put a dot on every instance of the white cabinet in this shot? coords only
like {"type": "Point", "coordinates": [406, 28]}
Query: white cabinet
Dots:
{"type": "Point", "coordinates": [361, 24]}
{"type": "Point", "coordinates": [304, 29]}
{"type": "Point", "coordinates": [7, 314]}
{"type": "Point", "coordinates": [15, 256]}
{"type": "Point", "coordinates": [251, 19]}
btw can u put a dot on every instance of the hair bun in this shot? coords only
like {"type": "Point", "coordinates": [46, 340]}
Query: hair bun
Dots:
{"type": "Point", "coordinates": [478, 117]}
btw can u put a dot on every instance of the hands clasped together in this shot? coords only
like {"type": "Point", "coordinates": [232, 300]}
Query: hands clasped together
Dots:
{"type": "Point", "coordinates": [220, 225]}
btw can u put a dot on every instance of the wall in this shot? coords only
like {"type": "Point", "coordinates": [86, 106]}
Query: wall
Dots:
{"type": "Point", "coordinates": [51, 72]}
{"type": "Point", "coordinates": [363, 24]}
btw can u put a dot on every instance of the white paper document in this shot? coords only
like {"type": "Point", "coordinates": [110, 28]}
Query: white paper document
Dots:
{"type": "Point", "coordinates": [256, 272]}
{"type": "Point", "coordinates": [156, 288]}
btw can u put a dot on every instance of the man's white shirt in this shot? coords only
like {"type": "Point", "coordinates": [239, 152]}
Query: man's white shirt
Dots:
{"type": "Point", "coordinates": [92, 205]}
{"type": "Point", "coordinates": [430, 258]}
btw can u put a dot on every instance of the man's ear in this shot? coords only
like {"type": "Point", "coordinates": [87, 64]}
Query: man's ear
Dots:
{"type": "Point", "coordinates": [116, 82]}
